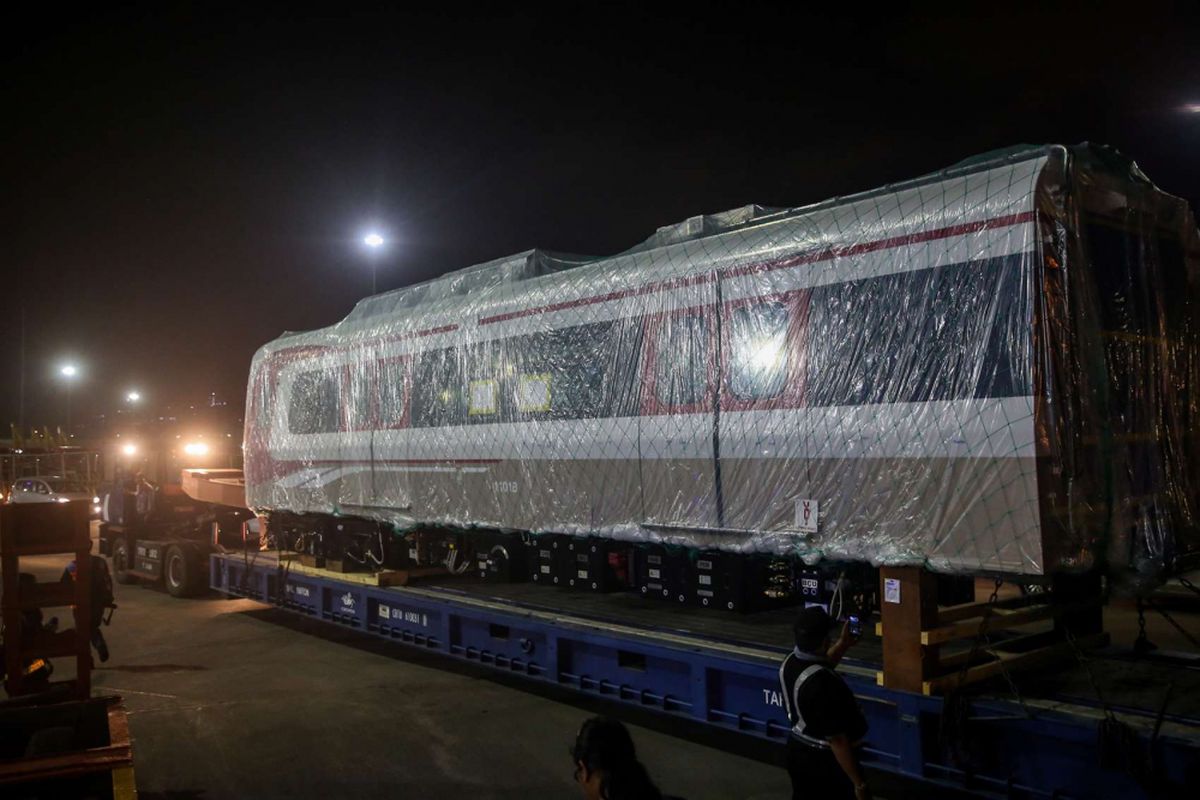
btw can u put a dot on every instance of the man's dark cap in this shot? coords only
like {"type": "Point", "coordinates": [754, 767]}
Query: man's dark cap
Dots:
{"type": "Point", "coordinates": [811, 628]}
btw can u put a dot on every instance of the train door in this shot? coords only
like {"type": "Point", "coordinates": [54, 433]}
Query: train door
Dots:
{"type": "Point", "coordinates": [383, 409]}
{"type": "Point", "coordinates": [349, 477]}
{"type": "Point", "coordinates": [676, 434]}
{"type": "Point", "coordinates": [762, 442]}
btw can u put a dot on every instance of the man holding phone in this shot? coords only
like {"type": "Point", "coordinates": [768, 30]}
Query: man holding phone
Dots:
{"type": "Point", "coordinates": [827, 724]}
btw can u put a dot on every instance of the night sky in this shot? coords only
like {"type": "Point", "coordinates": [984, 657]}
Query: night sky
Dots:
{"type": "Point", "coordinates": [180, 186]}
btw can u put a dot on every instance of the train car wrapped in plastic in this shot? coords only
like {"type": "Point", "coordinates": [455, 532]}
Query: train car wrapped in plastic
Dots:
{"type": "Point", "coordinates": [990, 369]}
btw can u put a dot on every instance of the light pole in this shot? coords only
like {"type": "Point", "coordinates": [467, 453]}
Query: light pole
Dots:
{"type": "Point", "coordinates": [374, 243]}
{"type": "Point", "coordinates": [68, 371]}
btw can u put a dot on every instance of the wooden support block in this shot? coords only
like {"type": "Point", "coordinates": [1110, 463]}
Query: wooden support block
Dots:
{"type": "Point", "coordinates": [339, 565]}
{"type": "Point", "coordinates": [1015, 644]}
{"type": "Point", "coordinates": [909, 606]}
{"type": "Point", "coordinates": [949, 614]}
{"type": "Point", "coordinates": [392, 577]}
{"type": "Point", "coordinates": [998, 619]}
{"type": "Point", "coordinates": [1010, 662]}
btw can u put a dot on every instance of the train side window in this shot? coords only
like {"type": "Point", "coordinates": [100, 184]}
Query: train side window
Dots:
{"type": "Point", "coordinates": [681, 361]}
{"type": "Point", "coordinates": [437, 390]}
{"type": "Point", "coordinates": [758, 356]}
{"type": "Point", "coordinates": [916, 337]}
{"type": "Point", "coordinates": [315, 405]}
{"type": "Point", "coordinates": [581, 372]}
{"type": "Point", "coordinates": [485, 368]}
{"type": "Point", "coordinates": [391, 393]}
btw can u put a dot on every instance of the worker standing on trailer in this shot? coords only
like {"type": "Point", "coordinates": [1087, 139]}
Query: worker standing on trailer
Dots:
{"type": "Point", "coordinates": [827, 723]}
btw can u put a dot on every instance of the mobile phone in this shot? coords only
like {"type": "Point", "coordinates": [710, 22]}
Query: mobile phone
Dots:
{"type": "Point", "coordinates": [855, 625]}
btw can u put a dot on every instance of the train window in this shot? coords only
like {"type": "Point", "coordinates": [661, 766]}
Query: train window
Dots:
{"type": "Point", "coordinates": [315, 406]}
{"type": "Point", "coordinates": [939, 334]}
{"type": "Point", "coordinates": [391, 393]}
{"type": "Point", "coordinates": [758, 350]}
{"type": "Point", "coordinates": [681, 366]}
{"type": "Point", "coordinates": [437, 390]}
{"type": "Point", "coordinates": [582, 372]}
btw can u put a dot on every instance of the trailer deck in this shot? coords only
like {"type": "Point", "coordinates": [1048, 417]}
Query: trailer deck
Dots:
{"type": "Point", "coordinates": [720, 669]}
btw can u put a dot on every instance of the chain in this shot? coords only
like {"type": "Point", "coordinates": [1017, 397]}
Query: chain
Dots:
{"type": "Point", "coordinates": [1182, 632]}
{"type": "Point", "coordinates": [981, 635]}
{"type": "Point", "coordinates": [982, 638]}
{"type": "Point", "coordinates": [1087, 669]}
{"type": "Point", "coordinates": [1188, 584]}
{"type": "Point", "coordinates": [1142, 644]}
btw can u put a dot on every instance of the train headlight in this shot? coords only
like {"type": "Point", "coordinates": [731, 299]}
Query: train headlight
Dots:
{"type": "Point", "coordinates": [196, 449]}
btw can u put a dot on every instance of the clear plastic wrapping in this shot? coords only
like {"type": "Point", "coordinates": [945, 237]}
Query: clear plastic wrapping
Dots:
{"type": "Point", "coordinates": [984, 370]}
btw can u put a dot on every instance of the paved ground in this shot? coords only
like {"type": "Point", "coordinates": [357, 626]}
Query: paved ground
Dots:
{"type": "Point", "coordinates": [227, 698]}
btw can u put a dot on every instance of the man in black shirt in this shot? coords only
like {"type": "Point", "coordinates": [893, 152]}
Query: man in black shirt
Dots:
{"type": "Point", "coordinates": [826, 721]}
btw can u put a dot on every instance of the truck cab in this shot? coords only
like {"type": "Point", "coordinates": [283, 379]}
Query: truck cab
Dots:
{"type": "Point", "coordinates": [169, 539]}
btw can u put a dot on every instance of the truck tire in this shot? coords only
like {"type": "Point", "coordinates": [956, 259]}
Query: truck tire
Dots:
{"type": "Point", "coordinates": [121, 561]}
{"type": "Point", "coordinates": [181, 572]}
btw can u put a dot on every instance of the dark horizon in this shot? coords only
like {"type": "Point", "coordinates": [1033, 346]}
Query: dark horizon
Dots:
{"type": "Point", "coordinates": [185, 184]}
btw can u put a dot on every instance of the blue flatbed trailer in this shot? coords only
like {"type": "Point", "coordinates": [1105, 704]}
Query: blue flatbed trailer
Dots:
{"type": "Point", "coordinates": [722, 671]}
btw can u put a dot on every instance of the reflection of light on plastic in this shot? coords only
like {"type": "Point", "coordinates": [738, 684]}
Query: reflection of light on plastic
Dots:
{"type": "Point", "coordinates": [766, 355]}
{"type": "Point", "coordinates": [196, 449]}
{"type": "Point", "coordinates": [129, 449]}
{"type": "Point", "coordinates": [1191, 108]}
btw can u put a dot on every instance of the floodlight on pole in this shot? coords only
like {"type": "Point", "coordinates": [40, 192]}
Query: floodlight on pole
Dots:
{"type": "Point", "coordinates": [374, 242]}
{"type": "Point", "coordinates": [68, 371]}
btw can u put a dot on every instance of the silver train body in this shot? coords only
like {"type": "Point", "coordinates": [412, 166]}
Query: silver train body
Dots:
{"type": "Point", "coordinates": [930, 373]}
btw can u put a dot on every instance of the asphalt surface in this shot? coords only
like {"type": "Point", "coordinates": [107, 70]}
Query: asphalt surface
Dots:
{"type": "Point", "coordinates": [228, 698]}
{"type": "Point", "coordinates": [231, 699]}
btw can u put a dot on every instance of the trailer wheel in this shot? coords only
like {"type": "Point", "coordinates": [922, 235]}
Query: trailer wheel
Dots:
{"type": "Point", "coordinates": [181, 573]}
{"type": "Point", "coordinates": [120, 561]}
